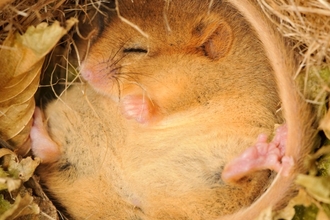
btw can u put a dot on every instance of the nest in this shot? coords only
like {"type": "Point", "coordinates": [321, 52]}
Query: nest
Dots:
{"type": "Point", "coordinates": [306, 23]}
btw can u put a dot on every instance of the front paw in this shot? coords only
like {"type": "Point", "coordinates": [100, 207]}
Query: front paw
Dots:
{"type": "Point", "coordinates": [42, 145]}
{"type": "Point", "coordinates": [138, 107]}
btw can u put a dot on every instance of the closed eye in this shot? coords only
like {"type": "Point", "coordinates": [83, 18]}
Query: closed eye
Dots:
{"type": "Point", "coordinates": [135, 50]}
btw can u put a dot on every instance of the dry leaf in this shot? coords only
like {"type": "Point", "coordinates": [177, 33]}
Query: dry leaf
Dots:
{"type": "Point", "coordinates": [4, 151]}
{"type": "Point", "coordinates": [11, 183]}
{"type": "Point", "coordinates": [22, 206]}
{"type": "Point", "coordinates": [17, 171]}
{"type": "Point", "coordinates": [289, 211]}
{"type": "Point", "coordinates": [13, 173]}
{"type": "Point", "coordinates": [25, 168]}
{"type": "Point", "coordinates": [21, 60]}
{"type": "Point", "coordinates": [317, 186]}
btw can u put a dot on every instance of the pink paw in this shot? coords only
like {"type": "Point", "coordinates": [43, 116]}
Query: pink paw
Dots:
{"type": "Point", "coordinates": [262, 155]}
{"type": "Point", "coordinates": [41, 144]}
{"type": "Point", "coordinates": [138, 107]}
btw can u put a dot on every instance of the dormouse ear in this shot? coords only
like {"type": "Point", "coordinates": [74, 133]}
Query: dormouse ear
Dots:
{"type": "Point", "coordinates": [215, 37]}
{"type": "Point", "coordinates": [218, 44]}
{"type": "Point", "coordinates": [91, 25]}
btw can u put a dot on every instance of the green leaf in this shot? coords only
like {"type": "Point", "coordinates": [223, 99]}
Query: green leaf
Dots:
{"type": "Point", "coordinates": [4, 204]}
{"type": "Point", "coordinates": [305, 213]}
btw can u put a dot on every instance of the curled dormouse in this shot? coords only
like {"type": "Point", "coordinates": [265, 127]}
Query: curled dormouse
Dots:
{"type": "Point", "coordinates": [175, 91]}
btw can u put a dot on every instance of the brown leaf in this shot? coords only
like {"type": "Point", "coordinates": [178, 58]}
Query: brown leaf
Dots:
{"type": "Point", "coordinates": [21, 60]}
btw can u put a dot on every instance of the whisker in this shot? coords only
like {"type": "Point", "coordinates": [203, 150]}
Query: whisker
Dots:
{"type": "Point", "coordinates": [117, 80]}
{"type": "Point", "coordinates": [110, 67]}
{"type": "Point", "coordinates": [118, 60]}
{"type": "Point", "coordinates": [128, 76]}
{"type": "Point", "coordinates": [114, 70]}
{"type": "Point", "coordinates": [113, 64]}
{"type": "Point", "coordinates": [151, 76]}
{"type": "Point", "coordinates": [116, 53]}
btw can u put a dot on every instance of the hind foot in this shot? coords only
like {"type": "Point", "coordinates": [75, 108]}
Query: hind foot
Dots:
{"type": "Point", "coordinates": [261, 156]}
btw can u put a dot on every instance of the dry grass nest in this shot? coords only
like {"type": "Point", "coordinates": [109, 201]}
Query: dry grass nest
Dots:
{"type": "Point", "coordinates": [306, 23]}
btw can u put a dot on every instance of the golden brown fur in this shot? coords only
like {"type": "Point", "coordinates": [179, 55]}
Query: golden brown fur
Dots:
{"type": "Point", "coordinates": [212, 91]}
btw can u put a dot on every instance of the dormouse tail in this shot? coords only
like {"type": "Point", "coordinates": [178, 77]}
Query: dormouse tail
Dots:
{"type": "Point", "coordinates": [295, 110]}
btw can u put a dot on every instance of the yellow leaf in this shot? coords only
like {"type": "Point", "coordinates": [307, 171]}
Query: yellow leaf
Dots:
{"type": "Point", "coordinates": [317, 186]}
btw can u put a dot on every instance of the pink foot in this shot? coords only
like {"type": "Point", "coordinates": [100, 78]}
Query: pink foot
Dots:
{"type": "Point", "coordinates": [41, 144]}
{"type": "Point", "coordinates": [262, 155]}
{"type": "Point", "coordinates": [138, 107]}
